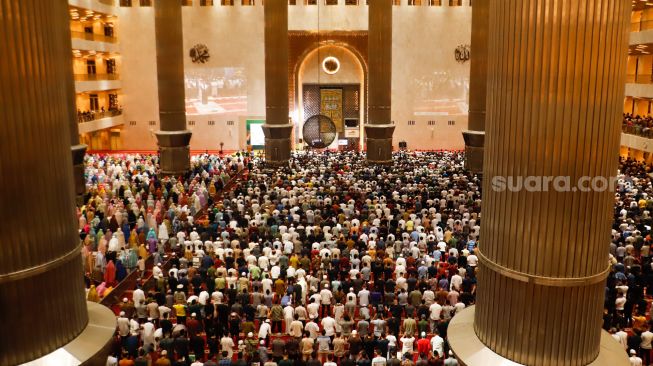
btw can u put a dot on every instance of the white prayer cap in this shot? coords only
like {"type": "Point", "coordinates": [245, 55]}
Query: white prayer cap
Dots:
{"type": "Point", "coordinates": [122, 313]}
{"type": "Point", "coordinates": [125, 300]}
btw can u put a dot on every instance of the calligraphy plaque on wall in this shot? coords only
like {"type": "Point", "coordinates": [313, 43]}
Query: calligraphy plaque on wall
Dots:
{"type": "Point", "coordinates": [331, 106]}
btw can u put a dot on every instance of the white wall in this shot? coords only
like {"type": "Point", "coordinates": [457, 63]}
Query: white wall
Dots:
{"type": "Point", "coordinates": [138, 76]}
{"type": "Point", "coordinates": [234, 37]}
{"type": "Point", "coordinates": [424, 42]}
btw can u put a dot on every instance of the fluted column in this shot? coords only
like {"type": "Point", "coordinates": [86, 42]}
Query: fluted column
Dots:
{"type": "Point", "coordinates": [41, 279]}
{"type": "Point", "coordinates": [173, 137]}
{"type": "Point", "coordinates": [475, 134]}
{"type": "Point", "coordinates": [379, 128]}
{"type": "Point", "coordinates": [555, 94]}
{"type": "Point", "coordinates": [277, 128]}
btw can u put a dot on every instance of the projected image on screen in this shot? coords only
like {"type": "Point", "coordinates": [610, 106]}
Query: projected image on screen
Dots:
{"type": "Point", "coordinates": [440, 93]}
{"type": "Point", "coordinates": [220, 90]}
{"type": "Point", "coordinates": [257, 138]}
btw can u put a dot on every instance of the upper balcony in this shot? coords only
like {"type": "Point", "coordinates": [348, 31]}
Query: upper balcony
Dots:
{"type": "Point", "coordinates": [100, 6]}
{"type": "Point", "coordinates": [96, 71]}
{"type": "Point", "coordinates": [641, 22]}
{"type": "Point", "coordinates": [100, 121]}
{"type": "Point", "coordinates": [96, 85]}
{"type": "Point", "coordinates": [639, 78]}
{"type": "Point", "coordinates": [93, 37]}
{"type": "Point", "coordinates": [96, 77]}
{"type": "Point", "coordinates": [91, 30]}
{"type": "Point", "coordinates": [637, 132]}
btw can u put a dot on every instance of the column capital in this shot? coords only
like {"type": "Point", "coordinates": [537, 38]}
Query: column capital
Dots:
{"type": "Point", "coordinates": [78, 151]}
{"type": "Point", "coordinates": [379, 143]}
{"type": "Point", "coordinates": [173, 138]}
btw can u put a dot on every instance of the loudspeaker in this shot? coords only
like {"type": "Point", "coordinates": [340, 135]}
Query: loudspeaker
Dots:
{"type": "Point", "coordinates": [351, 122]}
{"type": "Point", "coordinates": [403, 145]}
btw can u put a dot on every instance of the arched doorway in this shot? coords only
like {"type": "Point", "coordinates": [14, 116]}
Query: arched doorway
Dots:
{"type": "Point", "coordinates": [331, 79]}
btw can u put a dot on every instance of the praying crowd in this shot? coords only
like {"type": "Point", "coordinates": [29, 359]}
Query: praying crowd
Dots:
{"type": "Point", "coordinates": [638, 125]}
{"type": "Point", "coordinates": [327, 261]}
{"type": "Point", "coordinates": [129, 212]}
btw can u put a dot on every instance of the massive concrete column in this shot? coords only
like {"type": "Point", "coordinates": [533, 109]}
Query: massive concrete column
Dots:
{"type": "Point", "coordinates": [554, 107]}
{"type": "Point", "coordinates": [379, 128]}
{"type": "Point", "coordinates": [41, 279]}
{"type": "Point", "coordinates": [173, 137]}
{"type": "Point", "coordinates": [277, 128]}
{"type": "Point", "coordinates": [475, 135]}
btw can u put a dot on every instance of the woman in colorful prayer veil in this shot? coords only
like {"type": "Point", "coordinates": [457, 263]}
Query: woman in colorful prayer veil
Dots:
{"type": "Point", "coordinates": [163, 233]}
{"type": "Point", "coordinates": [110, 273]}
{"type": "Point", "coordinates": [132, 261]}
{"type": "Point", "coordinates": [151, 241]}
{"type": "Point", "coordinates": [93, 295]}
{"type": "Point", "coordinates": [121, 271]}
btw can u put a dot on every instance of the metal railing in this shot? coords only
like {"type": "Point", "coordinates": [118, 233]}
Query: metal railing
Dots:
{"type": "Point", "coordinates": [95, 77]}
{"type": "Point", "coordinates": [639, 79]}
{"type": "Point", "coordinates": [93, 37]}
{"type": "Point", "coordinates": [641, 25]}
{"type": "Point", "coordinates": [638, 131]}
{"type": "Point", "coordinates": [95, 115]}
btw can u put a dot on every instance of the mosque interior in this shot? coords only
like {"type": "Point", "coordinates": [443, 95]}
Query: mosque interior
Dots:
{"type": "Point", "coordinates": [326, 182]}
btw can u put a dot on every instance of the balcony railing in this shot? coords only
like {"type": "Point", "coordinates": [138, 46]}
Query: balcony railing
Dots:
{"type": "Point", "coordinates": [93, 37]}
{"type": "Point", "coordinates": [638, 130]}
{"type": "Point", "coordinates": [95, 115]}
{"type": "Point", "coordinates": [639, 79]}
{"type": "Point", "coordinates": [96, 77]}
{"type": "Point", "coordinates": [107, 2]}
{"type": "Point", "coordinates": [641, 25]}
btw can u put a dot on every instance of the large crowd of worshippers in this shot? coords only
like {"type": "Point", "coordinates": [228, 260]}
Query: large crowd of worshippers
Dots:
{"type": "Point", "coordinates": [129, 213]}
{"type": "Point", "coordinates": [328, 261]}
{"type": "Point", "coordinates": [638, 125]}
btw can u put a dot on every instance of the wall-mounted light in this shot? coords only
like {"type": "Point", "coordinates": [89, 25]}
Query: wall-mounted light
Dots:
{"type": "Point", "coordinates": [330, 65]}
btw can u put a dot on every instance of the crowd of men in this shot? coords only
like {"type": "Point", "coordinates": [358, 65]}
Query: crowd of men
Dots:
{"type": "Point", "coordinates": [638, 125]}
{"type": "Point", "coordinates": [327, 261]}
{"type": "Point", "coordinates": [91, 115]}
{"type": "Point", "coordinates": [627, 306]}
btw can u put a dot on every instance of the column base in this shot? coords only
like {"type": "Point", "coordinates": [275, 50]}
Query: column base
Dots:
{"type": "Point", "coordinates": [91, 347]}
{"type": "Point", "coordinates": [470, 351]}
{"type": "Point", "coordinates": [474, 149]}
{"type": "Point", "coordinates": [277, 143]}
{"type": "Point", "coordinates": [174, 152]}
{"type": "Point", "coordinates": [78, 152]}
{"type": "Point", "coordinates": [379, 143]}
